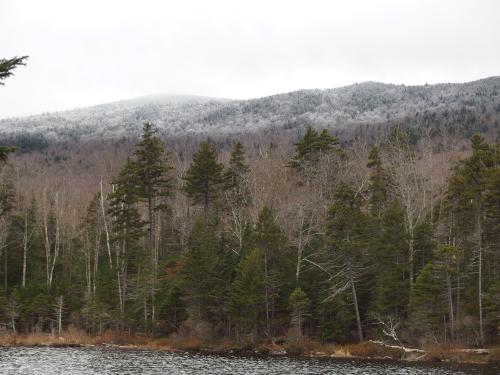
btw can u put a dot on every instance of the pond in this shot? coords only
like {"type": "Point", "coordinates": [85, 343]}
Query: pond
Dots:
{"type": "Point", "coordinates": [30, 360]}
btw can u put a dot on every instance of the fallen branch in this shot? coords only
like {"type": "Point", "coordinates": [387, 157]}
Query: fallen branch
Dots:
{"type": "Point", "coordinates": [400, 347]}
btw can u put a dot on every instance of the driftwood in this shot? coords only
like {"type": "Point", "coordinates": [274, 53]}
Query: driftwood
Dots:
{"type": "Point", "coordinates": [475, 351]}
{"type": "Point", "coordinates": [399, 347]}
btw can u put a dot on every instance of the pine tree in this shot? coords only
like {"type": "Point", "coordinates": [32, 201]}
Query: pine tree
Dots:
{"type": "Point", "coordinates": [446, 267]}
{"type": "Point", "coordinates": [151, 167]}
{"type": "Point", "coordinates": [269, 238]}
{"type": "Point", "coordinates": [465, 194]}
{"type": "Point", "coordinates": [390, 266]}
{"type": "Point", "coordinates": [426, 307]}
{"type": "Point", "coordinates": [311, 146]}
{"type": "Point", "coordinates": [247, 293]}
{"type": "Point", "coordinates": [6, 68]}
{"type": "Point", "coordinates": [7, 194]}
{"type": "Point", "coordinates": [4, 153]}
{"type": "Point", "coordinates": [235, 176]}
{"type": "Point", "coordinates": [198, 279]}
{"type": "Point", "coordinates": [237, 195]}
{"type": "Point", "coordinates": [299, 305]}
{"type": "Point", "coordinates": [128, 228]}
{"type": "Point", "coordinates": [346, 233]}
{"type": "Point", "coordinates": [378, 188]}
{"type": "Point", "coordinates": [492, 308]}
{"type": "Point", "coordinates": [154, 183]}
{"type": "Point", "coordinates": [203, 180]}
{"type": "Point", "coordinates": [8, 65]}
{"type": "Point", "coordinates": [491, 203]}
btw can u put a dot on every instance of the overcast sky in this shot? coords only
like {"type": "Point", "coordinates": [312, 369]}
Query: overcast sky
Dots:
{"type": "Point", "coordinates": [85, 52]}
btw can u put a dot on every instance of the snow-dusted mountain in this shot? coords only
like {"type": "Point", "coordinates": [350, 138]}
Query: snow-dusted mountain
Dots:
{"type": "Point", "coordinates": [469, 106]}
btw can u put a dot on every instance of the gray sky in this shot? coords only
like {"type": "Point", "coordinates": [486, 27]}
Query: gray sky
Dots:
{"type": "Point", "coordinates": [85, 52]}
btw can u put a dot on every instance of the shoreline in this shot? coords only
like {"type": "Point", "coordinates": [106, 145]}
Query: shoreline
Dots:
{"type": "Point", "coordinates": [367, 350]}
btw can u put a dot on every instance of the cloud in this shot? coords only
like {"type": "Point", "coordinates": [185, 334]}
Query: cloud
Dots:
{"type": "Point", "coordinates": [88, 52]}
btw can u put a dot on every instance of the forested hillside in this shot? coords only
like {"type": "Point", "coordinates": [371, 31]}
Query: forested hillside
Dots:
{"type": "Point", "coordinates": [460, 108]}
{"type": "Point", "coordinates": [302, 234]}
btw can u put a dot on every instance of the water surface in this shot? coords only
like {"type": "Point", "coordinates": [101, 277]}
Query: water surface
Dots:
{"type": "Point", "coordinates": [27, 361]}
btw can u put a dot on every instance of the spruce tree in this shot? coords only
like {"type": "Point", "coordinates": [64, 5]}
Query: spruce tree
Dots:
{"type": "Point", "coordinates": [247, 293]}
{"type": "Point", "coordinates": [153, 181]}
{"type": "Point", "coordinates": [199, 279]}
{"type": "Point", "coordinates": [466, 195]}
{"type": "Point", "coordinates": [299, 305]}
{"type": "Point", "coordinates": [237, 194]}
{"type": "Point", "coordinates": [491, 203]}
{"type": "Point", "coordinates": [378, 188]}
{"type": "Point", "coordinates": [203, 180]}
{"type": "Point", "coordinates": [127, 226]}
{"type": "Point", "coordinates": [153, 184]}
{"type": "Point", "coordinates": [6, 68]}
{"type": "Point", "coordinates": [347, 241]}
{"type": "Point", "coordinates": [236, 174]}
{"type": "Point", "coordinates": [426, 307]}
{"type": "Point", "coordinates": [8, 65]}
{"type": "Point", "coordinates": [390, 266]}
{"type": "Point", "coordinates": [269, 238]}
{"type": "Point", "coordinates": [311, 146]}
{"type": "Point", "coordinates": [492, 309]}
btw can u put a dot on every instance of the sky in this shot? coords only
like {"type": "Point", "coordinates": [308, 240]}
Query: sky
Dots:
{"type": "Point", "coordinates": [86, 52]}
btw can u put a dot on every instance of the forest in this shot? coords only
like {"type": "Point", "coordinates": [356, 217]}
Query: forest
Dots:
{"type": "Point", "coordinates": [383, 237]}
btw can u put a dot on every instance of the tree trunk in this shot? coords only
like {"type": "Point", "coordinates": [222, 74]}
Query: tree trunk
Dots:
{"type": "Point", "coordinates": [450, 306]}
{"type": "Point", "coordinates": [356, 307]}
{"type": "Point", "coordinates": [25, 248]}
{"type": "Point", "coordinates": [411, 260]}
{"type": "Point", "coordinates": [480, 274]}
{"type": "Point", "coordinates": [108, 244]}
{"type": "Point", "coordinates": [268, 325]}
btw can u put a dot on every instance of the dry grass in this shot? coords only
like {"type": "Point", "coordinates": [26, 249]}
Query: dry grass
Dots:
{"type": "Point", "coordinates": [494, 356]}
{"type": "Point", "coordinates": [187, 343]}
{"type": "Point", "coordinates": [371, 350]}
{"type": "Point", "coordinates": [306, 346]}
{"type": "Point", "coordinates": [71, 336]}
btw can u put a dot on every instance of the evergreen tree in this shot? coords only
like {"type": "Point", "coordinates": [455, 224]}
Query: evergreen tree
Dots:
{"type": "Point", "coordinates": [247, 293]}
{"type": "Point", "coordinates": [7, 194]}
{"type": "Point", "coordinates": [235, 176]}
{"type": "Point", "coordinates": [128, 228]}
{"type": "Point", "coordinates": [154, 183]}
{"type": "Point", "coordinates": [491, 203]}
{"type": "Point", "coordinates": [237, 195]}
{"type": "Point", "coordinates": [269, 238]}
{"type": "Point", "coordinates": [299, 305]}
{"type": "Point", "coordinates": [152, 175]}
{"type": "Point", "coordinates": [492, 308]}
{"type": "Point", "coordinates": [6, 68]}
{"type": "Point", "coordinates": [198, 280]}
{"type": "Point", "coordinates": [203, 180]}
{"type": "Point", "coordinates": [466, 195]}
{"type": "Point", "coordinates": [378, 188]}
{"type": "Point", "coordinates": [311, 146]}
{"type": "Point", "coordinates": [446, 265]}
{"type": "Point", "coordinates": [426, 307]}
{"type": "Point", "coordinates": [127, 223]}
{"type": "Point", "coordinates": [8, 65]}
{"type": "Point", "coordinates": [347, 241]}
{"type": "Point", "coordinates": [390, 266]}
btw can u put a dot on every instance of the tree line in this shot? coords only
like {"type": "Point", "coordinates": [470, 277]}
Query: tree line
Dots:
{"type": "Point", "coordinates": [329, 245]}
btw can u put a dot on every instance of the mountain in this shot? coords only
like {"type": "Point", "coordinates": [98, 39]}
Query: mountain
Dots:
{"type": "Point", "coordinates": [465, 107]}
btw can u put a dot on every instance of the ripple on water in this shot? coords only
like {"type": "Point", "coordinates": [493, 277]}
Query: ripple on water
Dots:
{"type": "Point", "coordinates": [103, 361]}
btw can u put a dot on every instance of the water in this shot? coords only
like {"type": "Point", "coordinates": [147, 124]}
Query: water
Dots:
{"type": "Point", "coordinates": [63, 361]}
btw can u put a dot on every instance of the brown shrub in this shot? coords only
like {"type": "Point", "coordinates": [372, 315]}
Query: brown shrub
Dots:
{"type": "Point", "coordinates": [187, 343]}
{"type": "Point", "coordinates": [368, 349]}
